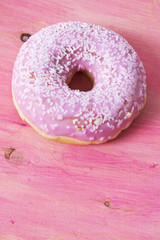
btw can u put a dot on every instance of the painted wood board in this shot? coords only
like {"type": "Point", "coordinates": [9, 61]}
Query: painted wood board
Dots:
{"type": "Point", "coordinates": [52, 191]}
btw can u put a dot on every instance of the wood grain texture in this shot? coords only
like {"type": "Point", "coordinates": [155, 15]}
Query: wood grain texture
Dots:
{"type": "Point", "coordinates": [51, 191]}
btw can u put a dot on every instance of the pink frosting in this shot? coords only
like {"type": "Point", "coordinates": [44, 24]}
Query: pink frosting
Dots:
{"type": "Point", "coordinates": [50, 56]}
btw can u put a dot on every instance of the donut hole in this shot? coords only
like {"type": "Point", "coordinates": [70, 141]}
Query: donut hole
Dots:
{"type": "Point", "coordinates": [81, 80]}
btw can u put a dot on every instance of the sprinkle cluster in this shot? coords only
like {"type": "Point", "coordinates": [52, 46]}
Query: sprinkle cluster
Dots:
{"type": "Point", "coordinates": [50, 57]}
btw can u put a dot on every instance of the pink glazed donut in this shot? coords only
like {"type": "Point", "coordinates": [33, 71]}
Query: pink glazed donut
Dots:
{"type": "Point", "coordinates": [46, 64]}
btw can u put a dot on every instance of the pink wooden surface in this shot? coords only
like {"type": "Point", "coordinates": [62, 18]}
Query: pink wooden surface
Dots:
{"type": "Point", "coordinates": [51, 191]}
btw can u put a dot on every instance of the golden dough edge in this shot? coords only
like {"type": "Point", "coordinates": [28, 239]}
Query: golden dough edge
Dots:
{"type": "Point", "coordinates": [64, 139]}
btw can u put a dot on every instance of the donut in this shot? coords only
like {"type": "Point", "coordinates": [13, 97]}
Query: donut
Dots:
{"type": "Point", "coordinates": [47, 62]}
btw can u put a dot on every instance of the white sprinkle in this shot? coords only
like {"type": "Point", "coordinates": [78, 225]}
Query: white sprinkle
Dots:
{"type": "Point", "coordinates": [59, 117]}
{"type": "Point", "coordinates": [91, 138]}
{"type": "Point", "coordinates": [98, 121]}
{"type": "Point", "coordinates": [128, 114]}
{"type": "Point", "coordinates": [102, 138]}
